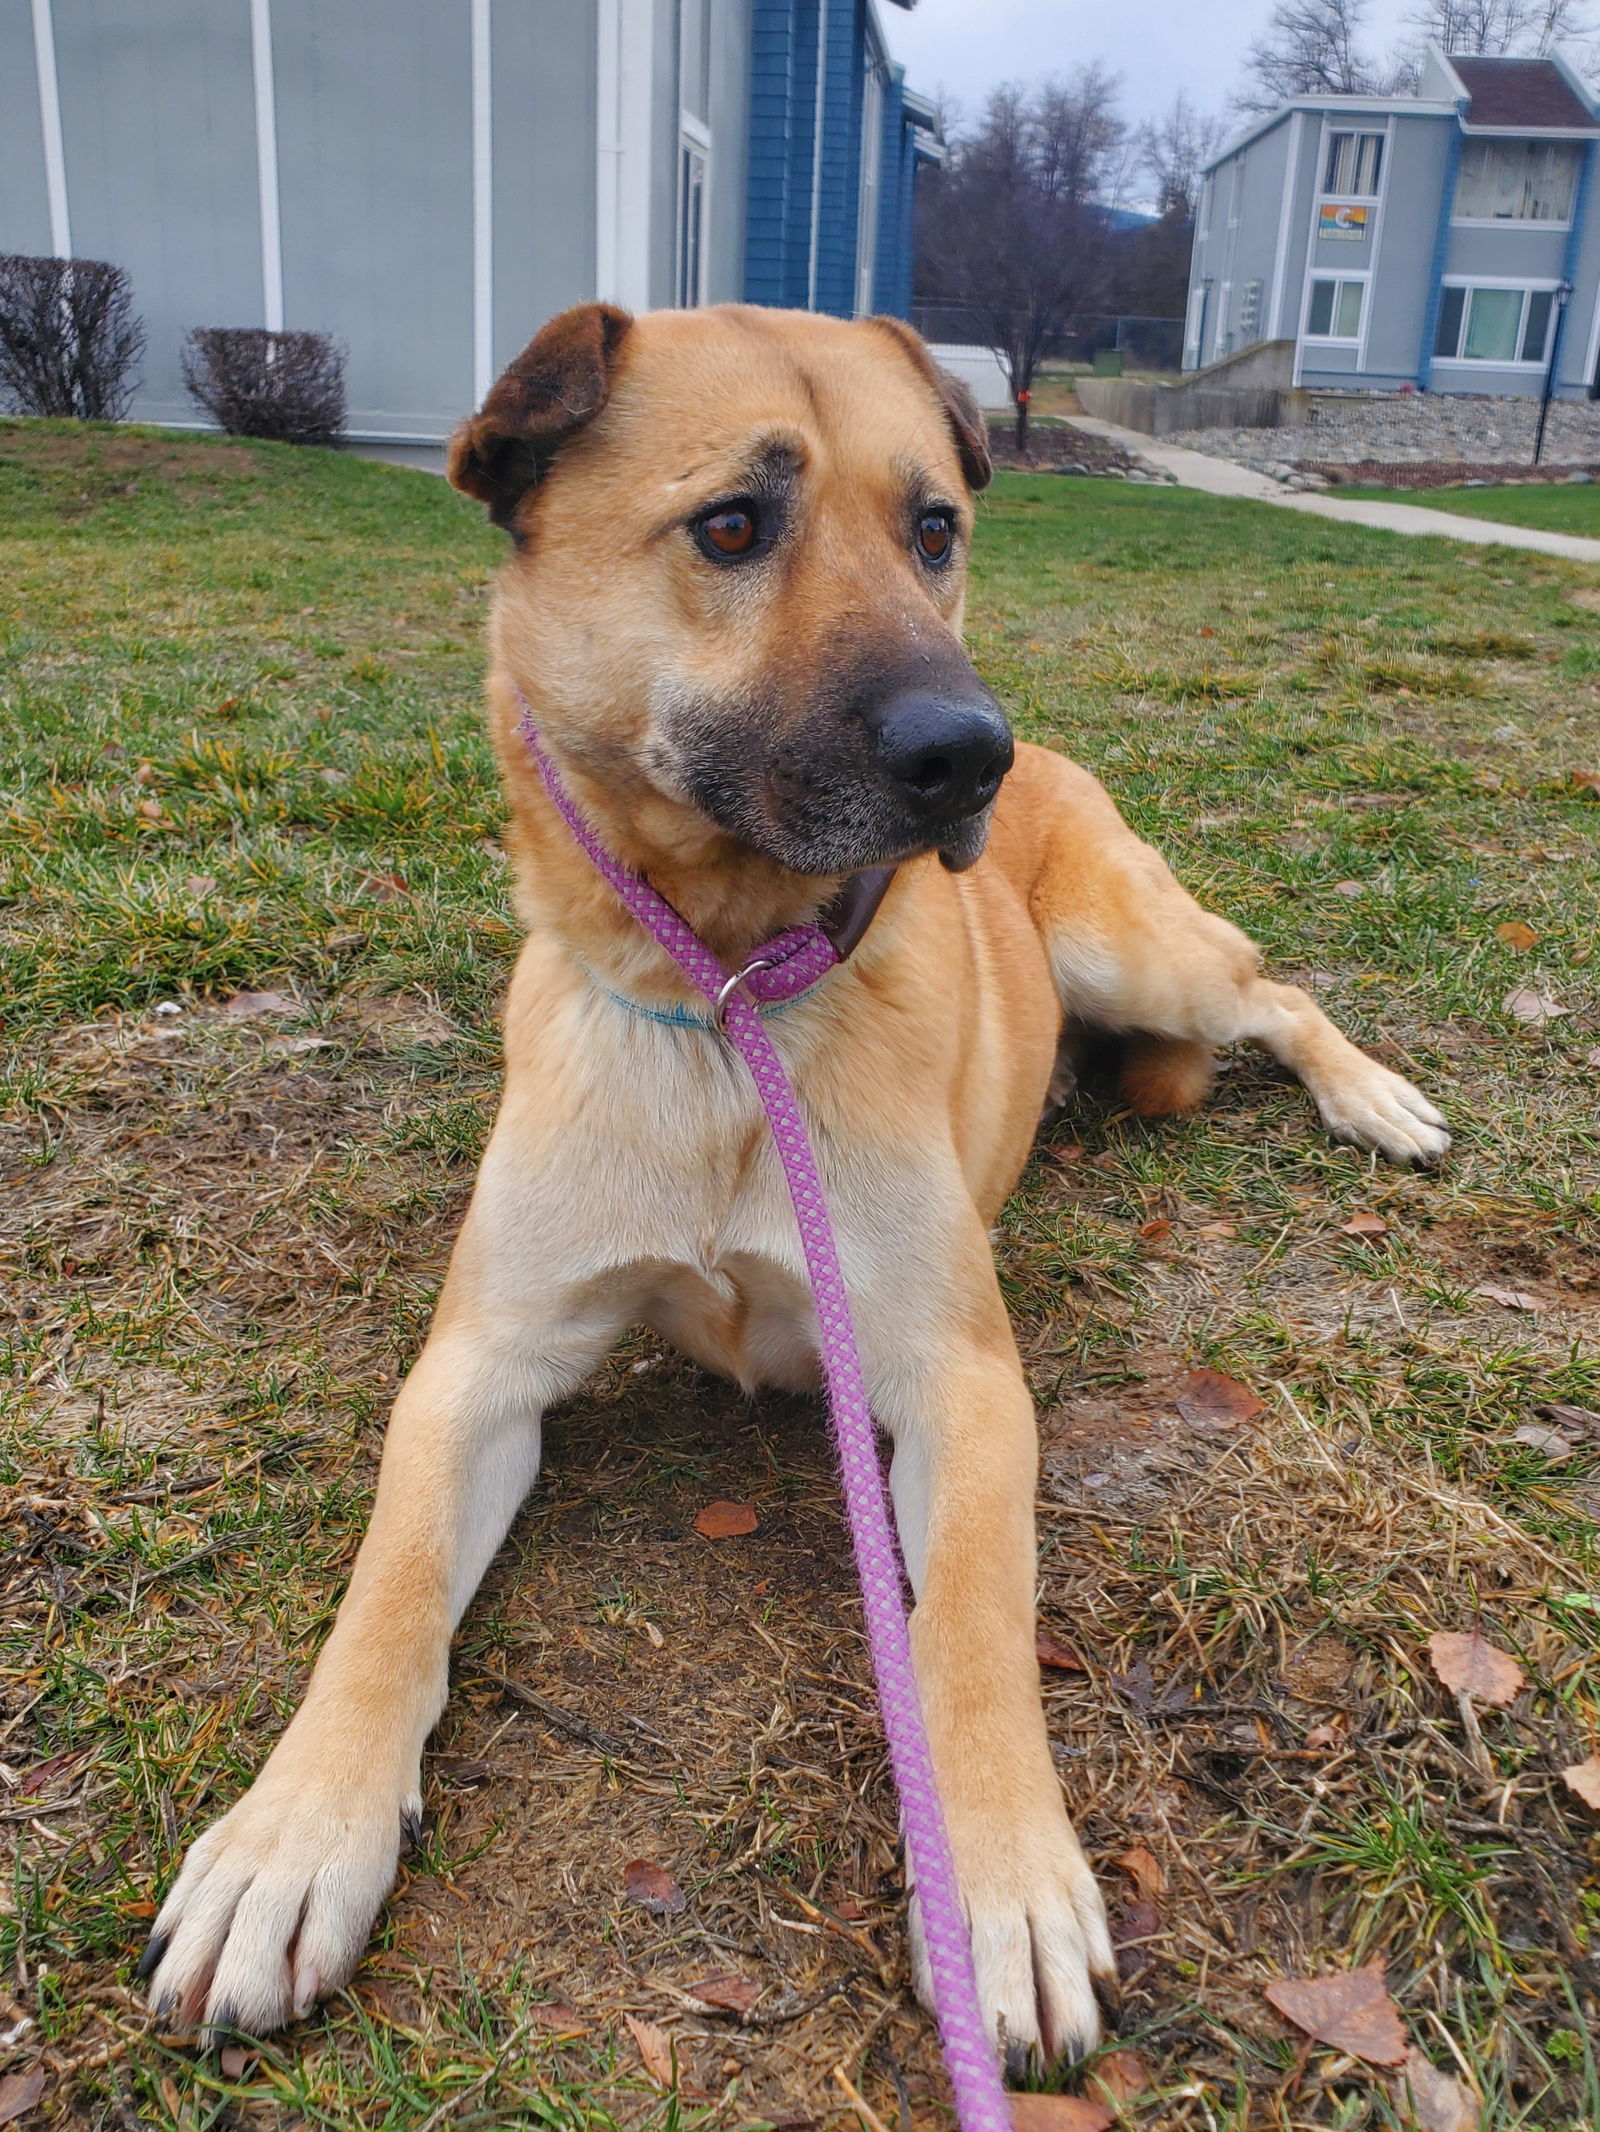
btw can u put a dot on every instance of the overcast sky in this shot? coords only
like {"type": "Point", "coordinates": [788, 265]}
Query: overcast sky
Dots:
{"type": "Point", "coordinates": [967, 47]}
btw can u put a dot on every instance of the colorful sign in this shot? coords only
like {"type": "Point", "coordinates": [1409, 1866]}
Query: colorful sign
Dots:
{"type": "Point", "coordinates": [1342, 219]}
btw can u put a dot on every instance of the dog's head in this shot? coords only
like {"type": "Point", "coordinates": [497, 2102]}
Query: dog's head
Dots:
{"type": "Point", "coordinates": [741, 547]}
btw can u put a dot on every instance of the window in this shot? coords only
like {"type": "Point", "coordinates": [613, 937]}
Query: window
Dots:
{"type": "Point", "coordinates": [1335, 310]}
{"type": "Point", "coordinates": [1355, 162]}
{"type": "Point", "coordinates": [691, 223]}
{"type": "Point", "coordinates": [1250, 313]}
{"type": "Point", "coordinates": [1516, 181]}
{"type": "Point", "coordinates": [1494, 325]}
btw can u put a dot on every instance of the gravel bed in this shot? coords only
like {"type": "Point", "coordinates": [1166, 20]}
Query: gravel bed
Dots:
{"type": "Point", "coordinates": [1441, 436]}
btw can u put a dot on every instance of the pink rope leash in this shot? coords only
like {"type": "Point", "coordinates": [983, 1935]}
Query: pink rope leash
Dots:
{"type": "Point", "coordinates": [793, 961]}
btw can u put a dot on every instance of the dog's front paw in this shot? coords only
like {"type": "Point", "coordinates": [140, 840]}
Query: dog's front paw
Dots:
{"type": "Point", "coordinates": [274, 1904]}
{"type": "Point", "coordinates": [1377, 1108]}
{"type": "Point", "coordinates": [1040, 1944]}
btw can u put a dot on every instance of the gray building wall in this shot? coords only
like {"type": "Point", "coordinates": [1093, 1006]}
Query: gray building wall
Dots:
{"type": "Point", "coordinates": [729, 120]}
{"type": "Point", "coordinates": [24, 201]}
{"type": "Point", "coordinates": [543, 116]}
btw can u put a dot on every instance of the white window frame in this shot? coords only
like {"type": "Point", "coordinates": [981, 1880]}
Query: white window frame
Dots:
{"type": "Point", "coordinates": [1336, 276]}
{"type": "Point", "coordinates": [1330, 133]}
{"type": "Point", "coordinates": [1476, 365]}
{"type": "Point", "coordinates": [1528, 222]}
{"type": "Point", "coordinates": [694, 144]}
{"type": "Point", "coordinates": [1332, 124]}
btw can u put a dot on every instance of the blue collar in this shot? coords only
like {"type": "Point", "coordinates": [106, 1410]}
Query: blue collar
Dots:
{"type": "Point", "coordinates": [685, 1017]}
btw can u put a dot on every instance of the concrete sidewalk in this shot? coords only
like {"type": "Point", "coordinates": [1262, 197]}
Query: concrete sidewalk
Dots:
{"type": "Point", "coordinates": [1220, 477]}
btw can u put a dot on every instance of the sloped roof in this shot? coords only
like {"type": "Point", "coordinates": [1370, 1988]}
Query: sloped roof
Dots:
{"type": "Point", "coordinates": [1520, 92]}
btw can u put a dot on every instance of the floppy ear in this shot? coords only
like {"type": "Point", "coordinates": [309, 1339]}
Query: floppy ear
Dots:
{"type": "Point", "coordinates": [961, 409]}
{"type": "Point", "coordinates": [559, 382]}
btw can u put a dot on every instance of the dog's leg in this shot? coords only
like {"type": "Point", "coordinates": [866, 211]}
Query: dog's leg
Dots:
{"type": "Point", "coordinates": [274, 1903]}
{"type": "Point", "coordinates": [948, 1383]}
{"type": "Point", "coordinates": [1134, 954]}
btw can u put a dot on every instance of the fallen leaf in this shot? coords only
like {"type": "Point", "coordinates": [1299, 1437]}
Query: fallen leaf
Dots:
{"type": "Point", "coordinates": [382, 888]}
{"type": "Point", "coordinates": [1524, 1004]}
{"type": "Point", "coordinates": [1208, 631]}
{"type": "Point", "coordinates": [1509, 1298]}
{"type": "Point", "coordinates": [1592, 1058]}
{"type": "Point", "coordinates": [1209, 1400]}
{"type": "Point", "coordinates": [726, 1521]}
{"type": "Point", "coordinates": [1058, 2113]}
{"type": "Point", "coordinates": [1583, 1419]}
{"type": "Point", "coordinates": [145, 773]}
{"type": "Point", "coordinates": [1352, 2011]}
{"type": "Point", "coordinates": [1218, 1228]}
{"type": "Point", "coordinates": [1466, 1661]}
{"type": "Point", "coordinates": [1349, 888]}
{"type": "Point", "coordinates": [151, 810]}
{"type": "Point", "coordinates": [1051, 1653]}
{"type": "Point", "coordinates": [1439, 2102]}
{"type": "Point", "coordinates": [655, 2048]}
{"type": "Point", "coordinates": [1583, 1778]}
{"type": "Point", "coordinates": [560, 2016]}
{"type": "Point", "coordinates": [1153, 1230]}
{"type": "Point", "coordinates": [1144, 1868]}
{"type": "Point", "coordinates": [331, 776]}
{"type": "Point", "coordinates": [19, 2092]}
{"type": "Point", "coordinates": [735, 1993]}
{"type": "Point", "coordinates": [245, 1004]}
{"type": "Point", "coordinates": [1068, 1151]}
{"type": "Point", "coordinates": [201, 884]}
{"type": "Point", "coordinates": [343, 941]}
{"type": "Point", "coordinates": [1330, 1735]}
{"type": "Point", "coordinates": [1139, 1923]}
{"type": "Point", "coordinates": [1517, 935]}
{"type": "Point", "coordinates": [235, 2062]}
{"type": "Point", "coordinates": [1586, 780]}
{"type": "Point", "coordinates": [1364, 1223]}
{"type": "Point", "coordinates": [653, 1888]}
{"type": "Point", "coordinates": [1119, 2076]}
{"type": "Point", "coordinates": [1538, 1437]}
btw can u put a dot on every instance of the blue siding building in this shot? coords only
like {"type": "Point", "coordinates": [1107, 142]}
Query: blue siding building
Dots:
{"type": "Point", "coordinates": [1447, 241]}
{"type": "Point", "coordinates": [429, 180]}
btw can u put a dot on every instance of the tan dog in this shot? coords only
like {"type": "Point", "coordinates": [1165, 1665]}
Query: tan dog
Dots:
{"type": "Point", "coordinates": [734, 605]}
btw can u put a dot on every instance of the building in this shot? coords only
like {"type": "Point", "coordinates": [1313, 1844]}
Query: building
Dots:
{"type": "Point", "coordinates": [429, 180]}
{"type": "Point", "coordinates": [1447, 241]}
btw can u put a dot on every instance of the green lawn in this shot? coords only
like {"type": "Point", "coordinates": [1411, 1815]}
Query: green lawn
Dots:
{"type": "Point", "coordinates": [243, 753]}
{"type": "Point", "coordinates": [1558, 507]}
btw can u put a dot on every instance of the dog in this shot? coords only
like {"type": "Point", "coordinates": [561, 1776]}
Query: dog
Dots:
{"type": "Point", "coordinates": [733, 606]}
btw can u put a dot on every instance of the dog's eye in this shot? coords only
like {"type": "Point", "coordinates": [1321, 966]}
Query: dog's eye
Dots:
{"type": "Point", "coordinates": [727, 534]}
{"type": "Point", "coordinates": [936, 535]}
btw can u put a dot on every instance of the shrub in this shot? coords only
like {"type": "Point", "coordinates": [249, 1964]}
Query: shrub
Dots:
{"type": "Point", "coordinates": [252, 383]}
{"type": "Point", "coordinates": [69, 339]}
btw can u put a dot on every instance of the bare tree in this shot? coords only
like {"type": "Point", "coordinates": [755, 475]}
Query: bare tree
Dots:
{"type": "Point", "coordinates": [69, 340]}
{"type": "Point", "coordinates": [1173, 151]}
{"type": "Point", "coordinates": [1312, 48]}
{"type": "Point", "coordinates": [1498, 28]}
{"type": "Point", "coordinates": [1014, 229]}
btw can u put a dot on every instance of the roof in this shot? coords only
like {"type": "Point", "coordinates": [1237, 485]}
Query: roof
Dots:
{"type": "Point", "coordinates": [1526, 93]}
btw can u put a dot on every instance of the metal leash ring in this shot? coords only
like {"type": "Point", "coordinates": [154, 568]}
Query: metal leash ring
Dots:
{"type": "Point", "coordinates": [724, 1000]}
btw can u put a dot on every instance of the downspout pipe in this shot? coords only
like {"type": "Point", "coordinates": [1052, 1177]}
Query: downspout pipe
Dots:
{"type": "Point", "coordinates": [1569, 262]}
{"type": "Point", "coordinates": [1441, 251]}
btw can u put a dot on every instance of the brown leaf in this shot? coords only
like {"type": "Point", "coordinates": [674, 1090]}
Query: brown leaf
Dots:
{"type": "Point", "coordinates": [1467, 1662]}
{"type": "Point", "coordinates": [1058, 2113]}
{"type": "Point", "coordinates": [235, 2062]}
{"type": "Point", "coordinates": [653, 1888]}
{"type": "Point", "coordinates": [151, 810]}
{"type": "Point", "coordinates": [200, 884]}
{"type": "Point", "coordinates": [1583, 1778]}
{"type": "Point", "coordinates": [1208, 631]}
{"type": "Point", "coordinates": [1068, 1151]}
{"type": "Point", "coordinates": [1517, 935]}
{"type": "Point", "coordinates": [655, 2048]}
{"type": "Point", "coordinates": [1139, 1923]}
{"type": "Point", "coordinates": [1051, 1653]}
{"type": "Point", "coordinates": [1145, 1870]}
{"type": "Point", "coordinates": [1583, 1420]}
{"type": "Point", "coordinates": [1119, 2076]}
{"type": "Point", "coordinates": [1218, 1228]}
{"type": "Point", "coordinates": [244, 1005]}
{"type": "Point", "coordinates": [1524, 1004]}
{"type": "Point", "coordinates": [1353, 2012]}
{"type": "Point", "coordinates": [1329, 1735]}
{"type": "Point", "coordinates": [1209, 1400]}
{"type": "Point", "coordinates": [1364, 1223]}
{"type": "Point", "coordinates": [726, 1521]}
{"type": "Point", "coordinates": [382, 888]}
{"type": "Point", "coordinates": [1349, 888]}
{"type": "Point", "coordinates": [1509, 1298]}
{"type": "Point", "coordinates": [1439, 2102]}
{"type": "Point", "coordinates": [19, 2092]}
{"type": "Point", "coordinates": [1153, 1231]}
{"type": "Point", "coordinates": [1538, 1437]}
{"type": "Point", "coordinates": [1586, 780]}
{"type": "Point", "coordinates": [560, 2017]}
{"type": "Point", "coordinates": [735, 1993]}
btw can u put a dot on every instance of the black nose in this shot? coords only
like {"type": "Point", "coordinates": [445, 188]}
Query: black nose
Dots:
{"type": "Point", "coordinates": [948, 754]}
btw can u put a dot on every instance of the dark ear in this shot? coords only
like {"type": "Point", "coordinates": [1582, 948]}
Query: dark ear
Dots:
{"type": "Point", "coordinates": [559, 382]}
{"type": "Point", "coordinates": [962, 411]}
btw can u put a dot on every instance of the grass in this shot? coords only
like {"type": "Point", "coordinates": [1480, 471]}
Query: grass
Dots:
{"type": "Point", "coordinates": [240, 687]}
{"type": "Point", "coordinates": [1557, 507]}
